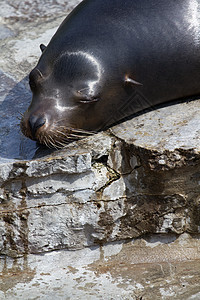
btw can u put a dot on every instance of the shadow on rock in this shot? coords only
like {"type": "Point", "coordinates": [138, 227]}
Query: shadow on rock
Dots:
{"type": "Point", "coordinates": [14, 100]}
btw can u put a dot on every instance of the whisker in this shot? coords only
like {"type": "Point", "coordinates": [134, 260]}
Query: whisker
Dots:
{"type": "Point", "coordinates": [60, 143]}
{"type": "Point", "coordinates": [51, 139]}
{"type": "Point", "coordinates": [60, 132]}
{"type": "Point", "coordinates": [83, 131]}
{"type": "Point", "coordinates": [78, 130]}
{"type": "Point", "coordinates": [52, 144]}
{"type": "Point", "coordinates": [46, 141]}
{"type": "Point", "coordinates": [59, 136]}
{"type": "Point", "coordinates": [75, 137]}
{"type": "Point", "coordinates": [69, 138]}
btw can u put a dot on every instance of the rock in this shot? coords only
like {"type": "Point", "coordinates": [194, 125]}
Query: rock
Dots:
{"type": "Point", "coordinates": [109, 187]}
{"type": "Point", "coordinates": [157, 267]}
{"type": "Point", "coordinates": [140, 177]}
{"type": "Point", "coordinates": [127, 200]}
{"type": "Point", "coordinates": [5, 32]}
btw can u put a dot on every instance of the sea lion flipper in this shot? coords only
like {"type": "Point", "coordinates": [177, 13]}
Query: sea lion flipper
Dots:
{"type": "Point", "coordinates": [42, 47]}
{"type": "Point", "coordinates": [132, 81]}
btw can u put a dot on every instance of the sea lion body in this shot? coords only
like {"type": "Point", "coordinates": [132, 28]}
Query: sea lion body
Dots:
{"type": "Point", "coordinates": [110, 59]}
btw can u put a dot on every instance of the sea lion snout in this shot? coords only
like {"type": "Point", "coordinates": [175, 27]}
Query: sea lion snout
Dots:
{"type": "Point", "coordinates": [36, 122]}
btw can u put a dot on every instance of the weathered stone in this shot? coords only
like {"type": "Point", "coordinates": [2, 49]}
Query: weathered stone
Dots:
{"type": "Point", "coordinates": [120, 159]}
{"type": "Point", "coordinates": [57, 165]}
{"type": "Point", "coordinates": [138, 178]}
{"type": "Point", "coordinates": [29, 10]}
{"type": "Point", "coordinates": [129, 182]}
{"type": "Point", "coordinates": [168, 136]}
{"type": "Point", "coordinates": [156, 267]}
{"type": "Point", "coordinates": [5, 32]}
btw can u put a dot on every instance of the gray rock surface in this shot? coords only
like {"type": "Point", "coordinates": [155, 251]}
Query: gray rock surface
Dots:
{"type": "Point", "coordinates": [102, 189]}
{"type": "Point", "coordinates": [158, 267]}
{"type": "Point", "coordinates": [140, 178]}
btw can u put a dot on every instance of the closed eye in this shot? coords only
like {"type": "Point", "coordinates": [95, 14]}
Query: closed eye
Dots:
{"type": "Point", "coordinates": [85, 98]}
{"type": "Point", "coordinates": [89, 100]}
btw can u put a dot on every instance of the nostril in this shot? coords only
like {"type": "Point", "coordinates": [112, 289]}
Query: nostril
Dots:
{"type": "Point", "coordinates": [35, 123]}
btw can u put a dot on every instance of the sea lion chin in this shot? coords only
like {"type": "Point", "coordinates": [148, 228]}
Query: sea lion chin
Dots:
{"type": "Point", "coordinates": [108, 61]}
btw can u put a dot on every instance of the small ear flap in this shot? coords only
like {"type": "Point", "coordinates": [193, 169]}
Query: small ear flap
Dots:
{"type": "Point", "coordinates": [130, 80]}
{"type": "Point", "coordinates": [86, 97]}
{"type": "Point", "coordinates": [42, 47]}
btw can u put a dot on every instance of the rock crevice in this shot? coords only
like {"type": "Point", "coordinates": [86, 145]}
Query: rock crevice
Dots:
{"type": "Point", "coordinates": [101, 189]}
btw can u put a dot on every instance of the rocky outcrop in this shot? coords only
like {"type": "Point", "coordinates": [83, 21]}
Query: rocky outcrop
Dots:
{"type": "Point", "coordinates": [128, 198]}
{"type": "Point", "coordinates": [140, 177]}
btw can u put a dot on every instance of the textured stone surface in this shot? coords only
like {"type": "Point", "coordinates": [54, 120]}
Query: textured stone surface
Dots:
{"type": "Point", "coordinates": [102, 189]}
{"type": "Point", "coordinates": [157, 267]}
{"type": "Point", "coordinates": [140, 178]}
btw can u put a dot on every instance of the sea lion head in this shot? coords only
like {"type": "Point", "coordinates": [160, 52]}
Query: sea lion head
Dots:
{"type": "Point", "coordinates": [66, 96]}
{"type": "Point", "coordinates": [74, 95]}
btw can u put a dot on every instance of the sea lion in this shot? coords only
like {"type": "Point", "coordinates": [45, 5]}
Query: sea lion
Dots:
{"type": "Point", "coordinates": [110, 59]}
